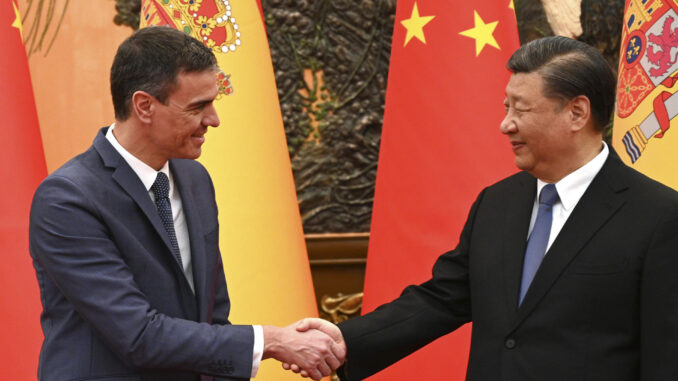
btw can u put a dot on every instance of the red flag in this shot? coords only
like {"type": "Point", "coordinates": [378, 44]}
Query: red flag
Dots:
{"type": "Point", "coordinates": [261, 11]}
{"type": "Point", "coordinates": [440, 146]}
{"type": "Point", "coordinates": [21, 170]}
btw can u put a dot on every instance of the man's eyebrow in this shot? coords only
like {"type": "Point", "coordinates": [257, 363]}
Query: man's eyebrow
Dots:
{"type": "Point", "coordinates": [516, 98]}
{"type": "Point", "coordinates": [199, 103]}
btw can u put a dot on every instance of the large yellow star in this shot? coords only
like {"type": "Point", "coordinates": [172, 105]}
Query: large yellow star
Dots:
{"type": "Point", "coordinates": [482, 33]}
{"type": "Point", "coordinates": [512, 6]}
{"type": "Point", "coordinates": [415, 25]}
{"type": "Point", "coordinates": [17, 22]}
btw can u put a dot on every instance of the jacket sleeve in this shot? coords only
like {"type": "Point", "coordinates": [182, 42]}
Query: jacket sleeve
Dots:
{"type": "Point", "coordinates": [420, 315]}
{"type": "Point", "coordinates": [69, 238]}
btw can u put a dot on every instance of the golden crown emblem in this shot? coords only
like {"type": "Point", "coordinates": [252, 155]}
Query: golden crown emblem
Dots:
{"type": "Point", "coordinates": [210, 21]}
{"type": "Point", "coordinates": [640, 12]}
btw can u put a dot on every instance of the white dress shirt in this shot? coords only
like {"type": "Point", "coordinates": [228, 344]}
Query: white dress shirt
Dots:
{"type": "Point", "coordinates": [570, 189]}
{"type": "Point", "coordinates": [147, 176]}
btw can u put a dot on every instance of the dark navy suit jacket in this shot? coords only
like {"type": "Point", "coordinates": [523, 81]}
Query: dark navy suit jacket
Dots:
{"type": "Point", "coordinates": [603, 305]}
{"type": "Point", "coordinates": [116, 304]}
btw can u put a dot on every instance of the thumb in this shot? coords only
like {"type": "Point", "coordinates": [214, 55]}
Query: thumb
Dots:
{"type": "Point", "coordinates": [322, 325]}
{"type": "Point", "coordinates": [303, 325]}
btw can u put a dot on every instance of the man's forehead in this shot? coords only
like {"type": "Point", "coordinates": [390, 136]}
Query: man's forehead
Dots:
{"type": "Point", "coordinates": [196, 87]}
{"type": "Point", "coordinates": [524, 85]}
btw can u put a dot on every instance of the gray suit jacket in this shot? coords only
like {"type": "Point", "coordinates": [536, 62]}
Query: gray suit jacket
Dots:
{"type": "Point", "coordinates": [116, 304]}
{"type": "Point", "coordinates": [602, 306]}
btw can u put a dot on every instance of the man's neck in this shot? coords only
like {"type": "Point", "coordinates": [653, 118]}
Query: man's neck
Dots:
{"type": "Point", "coordinates": [585, 151]}
{"type": "Point", "coordinates": [128, 135]}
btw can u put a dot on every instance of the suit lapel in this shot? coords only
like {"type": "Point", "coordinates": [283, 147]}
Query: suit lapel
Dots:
{"type": "Point", "coordinates": [517, 223]}
{"type": "Point", "coordinates": [130, 183]}
{"type": "Point", "coordinates": [598, 204]}
{"type": "Point", "coordinates": [196, 237]}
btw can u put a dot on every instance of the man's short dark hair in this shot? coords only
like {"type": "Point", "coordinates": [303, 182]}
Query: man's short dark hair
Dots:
{"type": "Point", "coordinates": [569, 68]}
{"type": "Point", "coordinates": [150, 61]}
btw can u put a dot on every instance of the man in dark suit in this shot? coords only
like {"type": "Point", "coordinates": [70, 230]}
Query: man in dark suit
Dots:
{"type": "Point", "coordinates": [125, 241]}
{"type": "Point", "coordinates": [569, 269]}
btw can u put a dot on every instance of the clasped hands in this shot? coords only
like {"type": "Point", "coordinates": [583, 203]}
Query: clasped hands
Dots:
{"type": "Point", "coordinates": [312, 347]}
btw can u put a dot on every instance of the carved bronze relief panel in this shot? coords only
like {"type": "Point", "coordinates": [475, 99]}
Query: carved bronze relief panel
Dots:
{"type": "Point", "coordinates": [331, 64]}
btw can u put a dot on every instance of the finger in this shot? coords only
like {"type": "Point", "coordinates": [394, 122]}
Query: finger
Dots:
{"type": "Point", "coordinates": [324, 369]}
{"type": "Point", "coordinates": [314, 374]}
{"type": "Point", "coordinates": [304, 374]}
{"type": "Point", "coordinates": [295, 368]}
{"type": "Point", "coordinates": [333, 362]}
{"type": "Point", "coordinates": [303, 325]}
{"type": "Point", "coordinates": [338, 354]}
{"type": "Point", "coordinates": [286, 366]}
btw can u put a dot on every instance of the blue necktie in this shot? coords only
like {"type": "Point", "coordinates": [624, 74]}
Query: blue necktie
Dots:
{"type": "Point", "coordinates": [539, 238]}
{"type": "Point", "coordinates": [160, 189]}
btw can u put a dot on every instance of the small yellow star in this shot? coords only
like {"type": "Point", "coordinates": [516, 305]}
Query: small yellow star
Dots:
{"type": "Point", "coordinates": [482, 33]}
{"type": "Point", "coordinates": [17, 22]}
{"type": "Point", "coordinates": [512, 6]}
{"type": "Point", "coordinates": [415, 25]}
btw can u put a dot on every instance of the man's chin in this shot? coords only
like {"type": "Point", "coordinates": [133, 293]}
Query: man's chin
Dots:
{"type": "Point", "coordinates": [194, 154]}
{"type": "Point", "coordinates": [522, 164]}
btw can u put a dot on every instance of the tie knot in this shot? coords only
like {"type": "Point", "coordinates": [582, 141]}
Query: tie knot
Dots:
{"type": "Point", "coordinates": [549, 195]}
{"type": "Point", "coordinates": [161, 186]}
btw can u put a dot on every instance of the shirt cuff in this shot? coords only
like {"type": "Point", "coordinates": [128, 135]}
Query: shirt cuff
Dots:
{"type": "Point", "coordinates": [258, 350]}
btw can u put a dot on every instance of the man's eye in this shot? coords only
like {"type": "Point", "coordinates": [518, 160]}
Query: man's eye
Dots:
{"type": "Point", "coordinates": [515, 110]}
{"type": "Point", "coordinates": [196, 109]}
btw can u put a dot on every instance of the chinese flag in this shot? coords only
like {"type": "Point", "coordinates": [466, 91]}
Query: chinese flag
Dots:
{"type": "Point", "coordinates": [440, 146]}
{"type": "Point", "coordinates": [261, 238]}
{"type": "Point", "coordinates": [22, 167]}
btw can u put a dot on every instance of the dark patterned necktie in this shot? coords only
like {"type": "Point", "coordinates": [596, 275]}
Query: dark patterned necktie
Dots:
{"type": "Point", "coordinates": [539, 238]}
{"type": "Point", "coordinates": [160, 189]}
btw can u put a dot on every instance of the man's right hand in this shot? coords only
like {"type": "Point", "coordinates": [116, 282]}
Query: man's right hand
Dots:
{"type": "Point", "coordinates": [310, 324]}
{"type": "Point", "coordinates": [313, 352]}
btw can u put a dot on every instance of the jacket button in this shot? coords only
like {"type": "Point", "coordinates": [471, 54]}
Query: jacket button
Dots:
{"type": "Point", "coordinates": [510, 343]}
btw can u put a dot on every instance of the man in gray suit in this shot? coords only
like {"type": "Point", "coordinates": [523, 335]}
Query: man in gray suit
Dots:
{"type": "Point", "coordinates": [568, 269]}
{"type": "Point", "coordinates": [125, 239]}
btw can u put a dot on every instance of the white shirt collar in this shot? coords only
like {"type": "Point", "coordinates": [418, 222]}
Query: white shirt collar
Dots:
{"type": "Point", "coordinates": [145, 173]}
{"type": "Point", "coordinates": [571, 187]}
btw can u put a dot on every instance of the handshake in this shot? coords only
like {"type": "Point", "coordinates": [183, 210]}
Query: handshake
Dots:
{"type": "Point", "coordinates": [312, 347]}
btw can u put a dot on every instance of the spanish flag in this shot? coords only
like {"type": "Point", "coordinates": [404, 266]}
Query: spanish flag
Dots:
{"type": "Point", "coordinates": [440, 146]}
{"type": "Point", "coordinates": [647, 101]}
{"type": "Point", "coordinates": [262, 242]}
{"type": "Point", "coordinates": [21, 170]}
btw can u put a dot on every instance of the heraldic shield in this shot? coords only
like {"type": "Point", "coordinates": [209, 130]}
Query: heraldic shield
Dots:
{"type": "Point", "coordinates": [647, 103]}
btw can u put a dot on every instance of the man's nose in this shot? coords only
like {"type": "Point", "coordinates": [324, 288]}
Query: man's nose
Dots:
{"type": "Point", "coordinates": [507, 125]}
{"type": "Point", "coordinates": [211, 117]}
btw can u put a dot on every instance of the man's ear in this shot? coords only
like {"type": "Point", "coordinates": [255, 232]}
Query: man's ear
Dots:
{"type": "Point", "coordinates": [580, 111]}
{"type": "Point", "coordinates": [143, 106]}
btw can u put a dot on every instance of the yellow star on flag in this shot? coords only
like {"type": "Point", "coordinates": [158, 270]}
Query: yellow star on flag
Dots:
{"type": "Point", "coordinates": [482, 33]}
{"type": "Point", "coordinates": [512, 6]}
{"type": "Point", "coordinates": [415, 25]}
{"type": "Point", "coordinates": [17, 22]}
